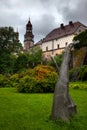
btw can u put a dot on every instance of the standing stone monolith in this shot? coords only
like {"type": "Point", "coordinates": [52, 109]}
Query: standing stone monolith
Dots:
{"type": "Point", "coordinates": [63, 106]}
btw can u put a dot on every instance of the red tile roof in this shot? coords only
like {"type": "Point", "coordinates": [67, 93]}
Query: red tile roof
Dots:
{"type": "Point", "coordinates": [63, 31]}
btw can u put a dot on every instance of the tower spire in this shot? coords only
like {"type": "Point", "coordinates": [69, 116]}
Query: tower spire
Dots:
{"type": "Point", "coordinates": [29, 18]}
{"type": "Point", "coordinates": [28, 37]}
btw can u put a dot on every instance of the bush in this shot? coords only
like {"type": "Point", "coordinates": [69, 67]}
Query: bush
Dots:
{"type": "Point", "coordinates": [13, 80]}
{"type": "Point", "coordinates": [4, 81]}
{"type": "Point", "coordinates": [78, 85]}
{"type": "Point", "coordinates": [58, 58]}
{"type": "Point", "coordinates": [82, 37]}
{"type": "Point", "coordinates": [40, 79]}
{"type": "Point", "coordinates": [80, 73]}
{"type": "Point", "coordinates": [26, 84]}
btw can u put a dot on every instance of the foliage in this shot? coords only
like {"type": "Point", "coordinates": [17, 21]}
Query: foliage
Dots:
{"type": "Point", "coordinates": [9, 40]}
{"type": "Point", "coordinates": [28, 60]}
{"type": "Point", "coordinates": [35, 56]}
{"type": "Point", "coordinates": [27, 84]}
{"type": "Point", "coordinates": [79, 73]}
{"type": "Point", "coordinates": [9, 80]}
{"type": "Point", "coordinates": [79, 85]}
{"type": "Point", "coordinates": [21, 62]}
{"type": "Point", "coordinates": [9, 45]}
{"type": "Point", "coordinates": [46, 77]}
{"type": "Point", "coordinates": [82, 73]}
{"type": "Point", "coordinates": [13, 80]}
{"type": "Point", "coordinates": [4, 82]}
{"type": "Point", "coordinates": [82, 37]}
{"type": "Point", "coordinates": [79, 56]}
{"type": "Point", "coordinates": [7, 63]}
{"type": "Point", "coordinates": [32, 111]}
{"type": "Point", "coordinates": [58, 59]}
{"type": "Point", "coordinates": [39, 79]}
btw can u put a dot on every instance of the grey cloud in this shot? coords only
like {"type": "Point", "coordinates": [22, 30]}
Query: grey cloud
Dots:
{"type": "Point", "coordinates": [6, 4]}
{"type": "Point", "coordinates": [78, 13]}
{"type": "Point", "coordinates": [44, 14]}
{"type": "Point", "coordinates": [44, 25]}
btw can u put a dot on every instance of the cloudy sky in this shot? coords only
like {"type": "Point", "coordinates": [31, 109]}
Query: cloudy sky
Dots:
{"type": "Point", "coordinates": [45, 15]}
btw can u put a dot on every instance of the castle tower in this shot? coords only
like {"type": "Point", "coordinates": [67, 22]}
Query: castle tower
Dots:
{"type": "Point", "coordinates": [28, 37]}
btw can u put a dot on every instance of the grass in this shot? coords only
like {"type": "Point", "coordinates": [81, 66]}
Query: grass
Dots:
{"type": "Point", "coordinates": [31, 111]}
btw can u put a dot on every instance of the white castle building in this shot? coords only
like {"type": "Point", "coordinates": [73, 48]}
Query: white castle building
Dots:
{"type": "Point", "coordinates": [56, 41]}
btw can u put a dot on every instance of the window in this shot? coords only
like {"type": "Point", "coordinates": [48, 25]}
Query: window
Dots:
{"type": "Point", "coordinates": [66, 43]}
{"type": "Point", "coordinates": [57, 46]}
{"type": "Point", "coordinates": [47, 48]}
{"type": "Point", "coordinates": [79, 30]}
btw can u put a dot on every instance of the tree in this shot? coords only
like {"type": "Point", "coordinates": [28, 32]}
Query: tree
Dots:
{"type": "Point", "coordinates": [9, 40]}
{"type": "Point", "coordinates": [58, 59]}
{"type": "Point", "coordinates": [9, 44]}
{"type": "Point", "coordinates": [29, 59]}
{"type": "Point", "coordinates": [35, 56]}
{"type": "Point", "coordinates": [82, 37]}
{"type": "Point", "coordinates": [21, 62]}
{"type": "Point", "coordinates": [7, 63]}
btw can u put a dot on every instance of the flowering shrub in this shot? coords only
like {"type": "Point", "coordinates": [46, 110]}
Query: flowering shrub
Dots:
{"type": "Point", "coordinates": [40, 79]}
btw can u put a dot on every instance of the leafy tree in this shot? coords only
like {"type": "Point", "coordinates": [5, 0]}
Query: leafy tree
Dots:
{"type": "Point", "coordinates": [7, 63]}
{"type": "Point", "coordinates": [21, 62]}
{"type": "Point", "coordinates": [9, 44]}
{"type": "Point", "coordinates": [28, 60]}
{"type": "Point", "coordinates": [82, 37]}
{"type": "Point", "coordinates": [4, 62]}
{"type": "Point", "coordinates": [35, 56]}
{"type": "Point", "coordinates": [9, 40]}
{"type": "Point", "coordinates": [58, 59]}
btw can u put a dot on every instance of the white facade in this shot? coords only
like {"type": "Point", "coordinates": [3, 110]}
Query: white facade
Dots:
{"type": "Point", "coordinates": [58, 45]}
{"type": "Point", "coordinates": [57, 40]}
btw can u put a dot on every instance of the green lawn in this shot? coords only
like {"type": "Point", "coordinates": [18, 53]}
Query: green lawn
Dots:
{"type": "Point", "coordinates": [32, 111]}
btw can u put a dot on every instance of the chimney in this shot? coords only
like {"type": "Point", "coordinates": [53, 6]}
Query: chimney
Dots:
{"type": "Point", "coordinates": [70, 23]}
{"type": "Point", "coordinates": [62, 26]}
